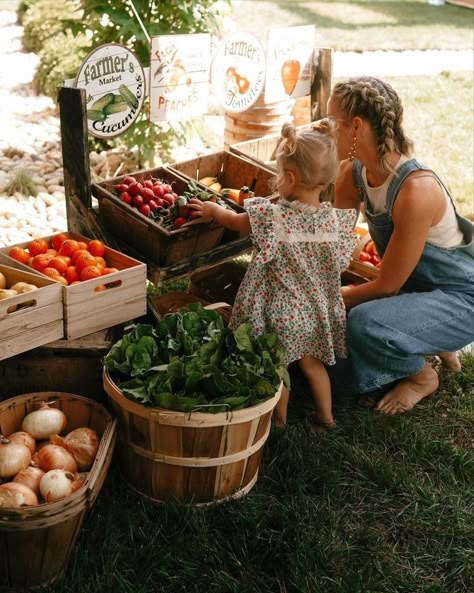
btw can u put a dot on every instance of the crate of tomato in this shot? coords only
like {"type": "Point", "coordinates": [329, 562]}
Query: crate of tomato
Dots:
{"type": "Point", "coordinates": [365, 260]}
{"type": "Point", "coordinates": [101, 286]}
{"type": "Point", "coordinates": [148, 211]}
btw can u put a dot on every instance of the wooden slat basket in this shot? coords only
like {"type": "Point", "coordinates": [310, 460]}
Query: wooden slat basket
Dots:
{"type": "Point", "coordinates": [147, 236]}
{"type": "Point", "coordinates": [36, 542]}
{"type": "Point", "coordinates": [197, 457]}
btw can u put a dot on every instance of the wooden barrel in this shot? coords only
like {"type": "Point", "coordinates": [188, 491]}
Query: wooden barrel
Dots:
{"type": "Point", "coordinates": [195, 457]}
{"type": "Point", "coordinates": [36, 542]}
{"type": "Point", "coordinates": [257, 121]}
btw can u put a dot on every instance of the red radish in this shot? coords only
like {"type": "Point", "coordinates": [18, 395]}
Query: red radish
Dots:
{"type": "Point", "coordinates": [184, 211]}
{"type": "Point", "coordinates": [169, 198]}
{"type": "Point", "coordinates": [159, 202]}
{"type": "Point", "coordinates": [178, 223]}
{"type": "Point", "coordinates": [167, 188]}
{"type": "Point", "coordinates": [129, 179]}
{"type": "Point", "coordinates": [137, 201]}
{"type": "Point", "coordinates": [135, 188]}
{"type": "Point", "coordinates": [145, 209]}
{"type": "Point", "coordinates": [153, 205]}
{"type": "Point", "coordinates": [148, 183]}
{"type": "Point", "coordinates": [147, 194]}
{"type": "Point", "coordinates": [158, 190]}
{"type": "Point", "coordinates": [126, 197]}
{"type": "Point", "coordinates": [120, 187]}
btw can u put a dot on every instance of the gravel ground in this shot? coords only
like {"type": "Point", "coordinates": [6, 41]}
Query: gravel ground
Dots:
{"type": "Point", "coordinates": [29, 124]}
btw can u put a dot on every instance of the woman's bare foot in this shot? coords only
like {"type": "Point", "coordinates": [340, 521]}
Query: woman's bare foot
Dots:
{"type": "Point", "coordinates": [408, 392]}
{"type": "Point", "coordinates": [368, 400]}
{"type": "Point", "coordinates": [450, 361]}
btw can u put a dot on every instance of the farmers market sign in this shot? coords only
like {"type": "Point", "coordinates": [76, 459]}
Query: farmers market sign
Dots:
{"type": "Point", "coordinates": [289, 62]}
{"type": "Point", "coordinates": [239, 69]}
{"type": "Point", "coordinates": [115, 89]}
{"type": "Point", "coordinates": [179, 76]}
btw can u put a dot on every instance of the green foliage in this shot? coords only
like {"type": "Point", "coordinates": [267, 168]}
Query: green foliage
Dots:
{"type": "Point", "coordinates": [190, 359]}
{"type": "Point", "coordinates": [42, 21]}
{"type": "Point", "coordinates": [59, 60]}
{"type": "Point", "coordinates": [113, 21]}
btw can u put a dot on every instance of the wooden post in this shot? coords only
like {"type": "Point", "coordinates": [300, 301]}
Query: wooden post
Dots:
{"type": "Point", "coordinates": [322, 84]}
{"type": "Point", "coordinates": [81, 218]}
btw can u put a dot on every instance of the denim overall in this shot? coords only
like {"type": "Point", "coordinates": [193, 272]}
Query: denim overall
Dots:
{"type": "Point", "coordinates": [434, 311]}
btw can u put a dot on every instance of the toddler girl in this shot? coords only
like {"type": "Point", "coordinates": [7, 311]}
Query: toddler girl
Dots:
{"type": "Point", "coordinates": [293, 284]}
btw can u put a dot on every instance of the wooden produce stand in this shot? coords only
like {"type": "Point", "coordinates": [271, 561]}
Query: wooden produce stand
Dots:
{"type": "Point", "coordinates": [84, 218]}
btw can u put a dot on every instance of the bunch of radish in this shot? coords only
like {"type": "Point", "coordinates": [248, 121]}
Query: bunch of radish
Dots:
{"type": "Point", "coordinates": [155, 199]}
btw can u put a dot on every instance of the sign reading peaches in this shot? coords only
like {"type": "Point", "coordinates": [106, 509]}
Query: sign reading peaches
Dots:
{"type": "Point", "coordinates": [115, 89]}
{"type": "Point", "coordinates": [238, 71]}
{"type": "Point", "coordinates": [179, 76]}
{"type": "Point", "coordinates": [289, 62]}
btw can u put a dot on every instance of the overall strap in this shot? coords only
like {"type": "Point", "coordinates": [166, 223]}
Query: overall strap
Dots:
{"type": "Point", "coordinates": [357, 179]}
{"type": "Point", "coordinates": [402, 173]}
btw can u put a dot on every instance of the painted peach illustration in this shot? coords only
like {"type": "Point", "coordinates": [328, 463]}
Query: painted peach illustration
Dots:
{"type": "Point", "coordinates": [290, 71]}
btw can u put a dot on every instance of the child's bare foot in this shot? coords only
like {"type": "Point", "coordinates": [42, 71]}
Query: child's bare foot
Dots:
{"type": "Point", "coordinates": [409, 391]}
{"type": "Point", "coordinates": [450, 361]}
{"type": "Point", "coordinates": [318, 423]}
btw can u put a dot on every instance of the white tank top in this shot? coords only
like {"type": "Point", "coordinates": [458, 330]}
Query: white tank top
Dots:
{"type": "Point", "coordinates": [445, 233]}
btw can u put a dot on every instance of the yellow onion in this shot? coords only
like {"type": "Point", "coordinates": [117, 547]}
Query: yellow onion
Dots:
{"type": "Point", "coordinates": [79, 480]}
{"type": "Point", "coordinates": [31, 477]}
{"type": "Point", "coordinates": [55, 457]}
{"type": "Point", "coordinates": [13, 457]}
{"type": "Point", "coordinates": [82, 443]}
{"type": "Point", "coordinates": [23, 438]}
{"type": "Point", "coordinates": [42, 423]}
{"type": "Point", "coordinates": [56, 485]}
{"type": "Point", "coordinates": [11, 499]}
{"type": "Point", "coordinates": [29, 497]}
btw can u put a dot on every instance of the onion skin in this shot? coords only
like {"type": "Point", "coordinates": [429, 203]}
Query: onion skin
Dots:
{"type": "Point", "coordinates": [24, 438]}
{"type": "Point", "coordinates": [13, 458]}
{"type": "Point", "coordinates": [31, 477]}
{"type": "Point", "coordinates": [52, 457]}
{"type": "Point", "coordinates": [82, 443]}
{"type": "Point", "coordinates": [42, 423]}
{"type": "Point", "coordinates": [29, 497]}
{"type": "Point", "coordinates": [56, 485]}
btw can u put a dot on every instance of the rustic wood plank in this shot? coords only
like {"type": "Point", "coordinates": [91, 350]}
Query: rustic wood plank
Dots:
{"type": "Point", "coordinates": [322, 84]}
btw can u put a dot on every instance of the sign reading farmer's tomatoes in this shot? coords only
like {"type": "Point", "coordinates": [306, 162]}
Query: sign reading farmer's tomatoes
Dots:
{"type": "Point", "coordinates": [238, 71]}
{"type": "Point", "coordinates": [289, 62]}
{"type": "Point", "coordinates": [115, 89]}
{"type": "Point", "coordinates": [179, 76]}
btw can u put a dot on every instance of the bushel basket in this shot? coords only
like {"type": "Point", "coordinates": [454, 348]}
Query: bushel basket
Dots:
{"type": "Point", "coordinates": [193, 457]}
{"type": "Point", "coordinates": [36, 541]}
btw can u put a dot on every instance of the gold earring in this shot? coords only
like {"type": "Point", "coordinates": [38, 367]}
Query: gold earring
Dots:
{"type": "Point", "coordinates": [353, 149]}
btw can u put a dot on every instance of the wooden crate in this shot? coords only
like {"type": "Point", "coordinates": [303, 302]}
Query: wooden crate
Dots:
{"type": "Point", "coordinates": [364, 269]}
{"type": "Point", "coordinates": [146, 235]}
{"type": "Point", "coordinates": [230, 170]}
{"type": "Point", "coordinates": [31, 319]}
{"type": "Point", "coordinates": [62, 365]}
{"type": "Point", "coordinates": [86, 310]}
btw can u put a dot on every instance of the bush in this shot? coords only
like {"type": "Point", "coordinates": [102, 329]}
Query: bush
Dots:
{"type": "Point", "coordinates": [42, 21]}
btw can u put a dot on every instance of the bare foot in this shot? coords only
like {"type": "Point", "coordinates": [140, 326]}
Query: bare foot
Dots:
{"type": "Point", "coordinates": [408, 392]}
{"type": "Point", "coordinates": [368, 400]}
{"type": "Point", "coordinates": [318, 424]}
{"type": "Point", "coordinates": [450, 361]}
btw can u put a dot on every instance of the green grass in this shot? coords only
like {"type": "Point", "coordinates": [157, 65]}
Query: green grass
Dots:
{"type": "Point", "coordinates": [378, 505]}
{"type": "Point", "coordinates": [363, 25]}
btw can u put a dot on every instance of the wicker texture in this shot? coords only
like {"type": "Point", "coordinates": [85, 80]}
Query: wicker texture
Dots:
{"type": "Point", "coordinates": [46, 534]}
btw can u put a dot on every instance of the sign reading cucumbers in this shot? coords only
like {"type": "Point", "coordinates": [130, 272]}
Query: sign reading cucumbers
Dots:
{"type": "Point", "coordinates": [115, 89]}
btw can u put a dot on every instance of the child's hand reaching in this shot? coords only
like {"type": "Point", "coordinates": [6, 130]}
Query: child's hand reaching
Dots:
{"type": "Point", "coordinates": [205, 209]}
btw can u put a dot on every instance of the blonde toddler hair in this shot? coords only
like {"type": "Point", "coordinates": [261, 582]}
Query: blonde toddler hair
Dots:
{"type": "Point", "coordinates": [311, 152]}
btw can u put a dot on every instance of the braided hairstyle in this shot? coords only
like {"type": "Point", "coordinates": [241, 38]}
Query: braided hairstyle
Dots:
{"type": "Point", "coordinates": [376, 101]}
{"type": "Point", "coordinates": [311, 152]}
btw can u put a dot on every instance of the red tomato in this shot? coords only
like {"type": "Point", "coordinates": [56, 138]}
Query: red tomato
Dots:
{"type": "Point", "coordinates": [365, 257]}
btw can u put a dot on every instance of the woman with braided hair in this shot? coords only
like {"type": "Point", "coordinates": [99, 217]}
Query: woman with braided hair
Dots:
{"type": "Point", "coordinates": [422, 302]}
{"type": "Point", "coordinates": [293, 284]}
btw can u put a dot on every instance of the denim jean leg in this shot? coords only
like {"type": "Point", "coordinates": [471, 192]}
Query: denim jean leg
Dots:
{"type": "Point", "coordinates": [388, 338]}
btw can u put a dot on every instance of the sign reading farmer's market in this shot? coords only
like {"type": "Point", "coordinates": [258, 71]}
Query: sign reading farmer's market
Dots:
{"type": "Point", "coordinates": [115, 89]}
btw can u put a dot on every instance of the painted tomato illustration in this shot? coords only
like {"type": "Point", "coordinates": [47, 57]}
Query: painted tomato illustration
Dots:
{"type": "Point", "coordinates": [290, 71]}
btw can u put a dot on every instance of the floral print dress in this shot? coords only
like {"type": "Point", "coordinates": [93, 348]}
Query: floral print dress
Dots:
{"type": "Point", "coordinates": [292, 286]}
